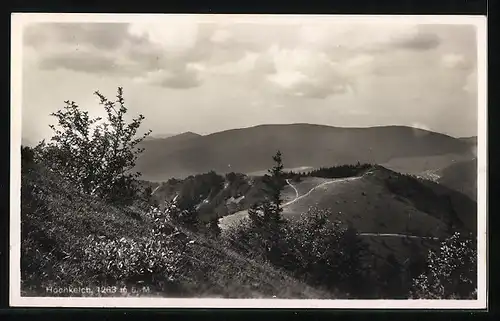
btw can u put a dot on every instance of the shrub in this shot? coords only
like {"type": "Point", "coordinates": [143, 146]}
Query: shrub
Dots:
{"type": "Point", "coordinates": [153, 261]}
{"type": "Point", "coordinates": [451, 271]}
{"type": "Point", "coordinates": [97, 156]}
{"type": "Point", "coordinates": [323, 253]}
{"type": "Point", "coordinates": [329, 253]}
{"type": "Point", "coordinates": [56, 249]}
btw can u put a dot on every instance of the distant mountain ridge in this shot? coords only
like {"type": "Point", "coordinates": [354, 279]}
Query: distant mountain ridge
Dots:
{"type": "Point", "coordinates": [248, 149]}
{"type": "Point", "coordinates": [164, 136]}
{"type": "Point", "coordinates": [470, 140]}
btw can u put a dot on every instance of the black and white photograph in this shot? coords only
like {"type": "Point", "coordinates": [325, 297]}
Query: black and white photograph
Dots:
{"type": "Point", "coordinates": [248, 161]}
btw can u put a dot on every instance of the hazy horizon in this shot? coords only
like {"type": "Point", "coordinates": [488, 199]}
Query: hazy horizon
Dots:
{"type": "Point", "coordinates": [159, 135]}
{"type": "Point", "coordinates": [205, 77]}
{"type": "Point", "coordinates": [154, 135]}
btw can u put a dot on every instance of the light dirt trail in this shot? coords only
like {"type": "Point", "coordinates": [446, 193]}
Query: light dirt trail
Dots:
{"type": "Point", "coordinates": [398, 235]}
{"type": "Point", "coordinates": [226, 221]}
{"type": "Point", "coordinates": [157, 187]}
{"type": "Point", "coordinates": [296, 191]}
{"type": "Point", "coordinates": [316, 187]}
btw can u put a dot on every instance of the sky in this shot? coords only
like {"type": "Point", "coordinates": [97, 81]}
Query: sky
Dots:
{"type": "Point", "coordinates": [186, 74]}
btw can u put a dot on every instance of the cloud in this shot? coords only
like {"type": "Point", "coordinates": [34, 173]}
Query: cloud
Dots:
{"type": "Point", "coordinates": [380, 66]}
{"type": "Point", "coordinates": [100, 35]}
{"type": "Point", "coordinates": [314, 74]}
{"type": "Point", "coordinates": [368, 38]}
{"type": "Point", "coordinates": [178, 77]}
{"type": "Point", "coordinates": [314, 60]}
{"type": "Point", "coordinates": [176, 36]}
{"type": "Point", "coordinates": [80, 60]}
{"type": "Point", "coordinates": [126, 50]}
{"type": "Point", "coordinates": [162, 51]}
{"type": "Point", "coordinates": [419, 41]}
{"type": "Point", "coordinates": [471, 83]}
{"type": "Point", "coordinates": [454, 61]}
{"type": "Point", "coordinates": [221, 36]}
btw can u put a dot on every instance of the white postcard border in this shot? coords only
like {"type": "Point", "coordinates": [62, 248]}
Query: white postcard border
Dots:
{"type": "Point", "coordinates": [18, 20]}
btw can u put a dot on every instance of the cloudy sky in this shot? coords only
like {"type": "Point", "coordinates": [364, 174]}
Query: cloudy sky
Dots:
{"type": "Point", "coordinates": [189, 75]}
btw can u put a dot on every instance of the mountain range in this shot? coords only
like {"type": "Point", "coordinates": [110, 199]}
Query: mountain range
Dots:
{"type": "Point", "coordinates": [246, 150]}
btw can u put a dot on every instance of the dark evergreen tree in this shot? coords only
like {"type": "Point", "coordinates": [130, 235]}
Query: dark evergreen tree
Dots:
{"type": "Point", "coordinates": [275, 185]}
{"type": "Point", "coordinates": [266, 216]}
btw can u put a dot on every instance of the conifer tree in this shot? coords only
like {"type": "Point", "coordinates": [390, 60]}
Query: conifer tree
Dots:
{"type": "Point", "coordinates": [275, 185]}
{"type": "Point", "coordinates": [266, 216]}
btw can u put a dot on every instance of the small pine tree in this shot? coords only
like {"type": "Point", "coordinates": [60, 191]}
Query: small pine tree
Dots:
{"type": "Point", "coordinates": [276, 184]}
{"type": "Point", "coordinates": [269, 211]}
{"type": "Point", "coordinates": [266, 216]}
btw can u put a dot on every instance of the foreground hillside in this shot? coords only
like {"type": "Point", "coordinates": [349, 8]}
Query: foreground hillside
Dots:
{"type": "Point", "coordinates": [70, 239]}
{"type": "Point", "coordinates": [247, 150]}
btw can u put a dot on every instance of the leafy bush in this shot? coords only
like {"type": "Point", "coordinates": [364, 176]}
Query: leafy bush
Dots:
{"type": "Point", "coordinates": [452, 271]}
{"type": "Point", "coordinates": [153, 261]}
{"type": "Point", "coordinates": [329, 253]}
{"type": "Point", "coordinates": [322, 253]}
{"type": "Point", "coordinates": [97, 156]}
{"type": "Point", "coordinates": [55, 221]}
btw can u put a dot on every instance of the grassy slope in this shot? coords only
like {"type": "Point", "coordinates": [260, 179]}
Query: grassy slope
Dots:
{"type": "Point", "coordinates": [56, 218]}
{"type": "Point", "coordinates": [387, 202]}
{"type": "Point", "coordinates": [382, 202]}
{"type": "Point", "coordinates": [365, 205]}
{"type": "Point", "coordinates": [461, 176]}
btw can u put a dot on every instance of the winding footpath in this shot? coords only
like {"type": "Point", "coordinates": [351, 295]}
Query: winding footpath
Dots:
{"type": "Point", "coordinates": [399, 235]}
{"type": "Point", "coordinates": [295, 189]}
{"type": "Point", "coordinates": [297, 198]}
{"type": "Point", "coordinates": [157, 187]}
{"type": "Point", "coordinates": [226, 221]}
